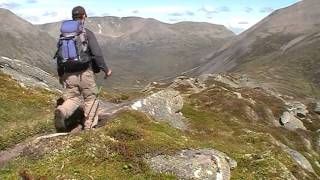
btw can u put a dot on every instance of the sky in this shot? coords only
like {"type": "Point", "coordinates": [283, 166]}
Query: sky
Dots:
{"type": "Point", "coordinates": [237, 15]}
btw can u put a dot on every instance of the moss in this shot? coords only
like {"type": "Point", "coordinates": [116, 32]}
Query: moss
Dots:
{"type": "Point", "coordinates": [23, 112]}
{"type": "Point", "coordinates": [96, 154]}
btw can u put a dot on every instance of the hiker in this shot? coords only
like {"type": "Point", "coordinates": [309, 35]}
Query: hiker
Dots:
{"type": "Point", "coordinates": [78, 58]}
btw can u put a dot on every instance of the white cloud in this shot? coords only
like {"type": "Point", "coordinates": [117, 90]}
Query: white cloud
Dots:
{"type": "Point", "coordinates": [236, 24]}
{"type": "Point", "coordinates": [208, 9]}
{"type": "Point", "coordinates": [42, 15]}
{"type": "Point", "coordinates": [163, 9]}
{"type": "Point", "coordinates": [266, 10]}
{"type": "Point", "coordinates": [248, 9]}
{"type": "Point", "coordinates": [39, 12]}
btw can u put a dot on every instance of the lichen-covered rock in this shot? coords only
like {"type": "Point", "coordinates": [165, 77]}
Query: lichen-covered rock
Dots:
{"type": "Point", "coordinates": [164, 106]}
{"type": "Point", "coordinates": [290, 122]}
{"type": "Point", "coordinates": [194, 164]}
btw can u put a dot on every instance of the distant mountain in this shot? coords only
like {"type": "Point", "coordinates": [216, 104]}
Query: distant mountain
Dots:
{"type": "Point", "coordinates": [282, 50]}
{"type": "Point", "coordinates": [21, 40]}
{"type": "Point", "coordinates": [142, 50]}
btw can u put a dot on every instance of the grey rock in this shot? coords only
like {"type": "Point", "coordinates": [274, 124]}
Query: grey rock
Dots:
{"type": "Point", "coordinates": [317, 108]}
{"type": "Point", "coordinates": [28, 75]}
{"type": "Point", "coordinates": [296, 156]}
{"type": "Point", "coordinates": [290, 122]}
{"type": "Point", "coordinates": [300, 159]}
{"type": "Point", "coordinates": [204, 78]}
{"type": "Point", "coordinates": [190, 84]}
{"type": "Point", "coordinates": [164, 106]}
{"type": "Point", "coordinates": [226, 80]}
{"type": "Point", "coordinates": [298, 109]}
{"type": "Point", "coordinates": [194, 164]}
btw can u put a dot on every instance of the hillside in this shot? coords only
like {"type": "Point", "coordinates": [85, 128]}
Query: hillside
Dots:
{"type": "Point", "coordinates": [187, 129]}
{"type": "Point", "coordinates": [23, 41]}
{"type": "Point", "coordinates": [282, 50]}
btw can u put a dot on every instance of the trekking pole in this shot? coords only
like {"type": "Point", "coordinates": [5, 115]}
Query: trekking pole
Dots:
{"type": "Point", "coordinates": [99, 91]}
{"type": "Point", "coordinates": [95, 99]}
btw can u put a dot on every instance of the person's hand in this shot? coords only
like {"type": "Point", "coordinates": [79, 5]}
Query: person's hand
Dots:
{"type": "Point", "coordinates": [108, 72]}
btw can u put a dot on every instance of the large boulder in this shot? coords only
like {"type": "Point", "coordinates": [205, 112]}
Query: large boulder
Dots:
{"type": "Point", "coordinates": [194, 164]}
{"type": "Point", "coordinates": [163, 106]}
{"type": "Point", "coordinates": [291, 122]}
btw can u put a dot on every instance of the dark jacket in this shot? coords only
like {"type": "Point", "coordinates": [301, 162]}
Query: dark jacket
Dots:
{"type": "Point", "coordinates": [97, 61]}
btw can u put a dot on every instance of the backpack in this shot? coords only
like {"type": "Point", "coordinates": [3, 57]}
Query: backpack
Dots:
{"type": "Point", "coordinates": [72, 46]}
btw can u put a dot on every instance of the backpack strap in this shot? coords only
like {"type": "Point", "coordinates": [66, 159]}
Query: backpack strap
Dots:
{"type": "Point", "coordinates": [59, 44]}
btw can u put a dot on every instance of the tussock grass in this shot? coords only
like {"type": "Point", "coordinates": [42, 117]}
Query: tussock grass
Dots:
{"type": "Point", "coordinates": [23, 112]}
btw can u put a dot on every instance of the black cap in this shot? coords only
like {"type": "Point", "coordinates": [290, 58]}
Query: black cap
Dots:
{"type": "Point", "coordinates": [78, 12]}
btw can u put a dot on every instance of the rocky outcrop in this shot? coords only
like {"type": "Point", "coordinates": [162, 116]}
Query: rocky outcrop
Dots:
{"type": "Point", "coordinates": [228, 80]}
{"type": "Point", "coordinates": [191, 84]}
{"type": "Point", "coordinates": [28, 75]}
{"type": "Point", "coordinates": [291, 118]}
{"type": "Point", "coordinates": [295, 155]}
{"type": "Point", "coordinates": [194, 164]}
{"type": "Point", "coordinates": [164, 106]}
{"type": "Point", "coordinates": [298, 109]}
{"type": "Point", "coordinates": [291, 122]}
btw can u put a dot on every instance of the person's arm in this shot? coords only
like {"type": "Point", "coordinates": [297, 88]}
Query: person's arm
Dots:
{"type": "Point", "coordinates": [97, 53]}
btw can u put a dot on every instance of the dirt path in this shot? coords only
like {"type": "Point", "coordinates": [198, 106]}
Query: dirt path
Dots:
{"type": "Point", "coordinates": [12, 153]}
{"type": "Point", "coordinates": [107, 111]}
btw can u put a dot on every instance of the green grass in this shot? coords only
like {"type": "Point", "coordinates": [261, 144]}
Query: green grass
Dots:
{"type": "Point", "coordinates": [216, 119]}
{"type": "Point", "coordinates": [23, 112]}
{"type": "Point", "coordinates": [113, 152]}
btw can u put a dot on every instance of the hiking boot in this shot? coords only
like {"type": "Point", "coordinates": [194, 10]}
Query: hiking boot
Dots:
{"type": "Point", "coordinates": [59, 120]}
{"type": "Point", "coordinates": [79, 128]}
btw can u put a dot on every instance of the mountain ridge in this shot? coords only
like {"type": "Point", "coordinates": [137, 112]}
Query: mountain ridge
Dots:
{"type": "Point", "coordinates": [268, 50]}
